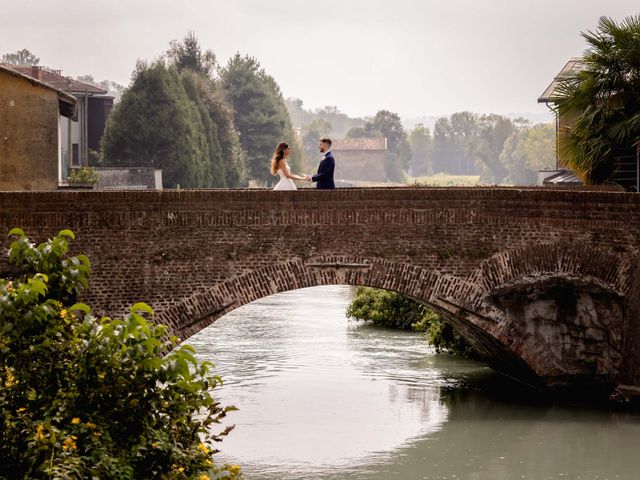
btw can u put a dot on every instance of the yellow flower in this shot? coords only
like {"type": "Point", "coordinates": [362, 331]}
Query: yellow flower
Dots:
{"type": "Point", "coordinates": [69, 443]}
{"type": "Point", "coordinates": [203, 448]}
{"type": "Point", "coordinates": [63, 313]}
{"type": "Point", "coordinates": [208, 462]}
{"type": "Point", "coordinates": [96, 434]}
{"type": "Point", "coordinates": [204, 476]}
{"type": "Point", "coordinates": [91, 426]}
{"type": "Point", "coordinates": [20, 410]}
{"type": "Point", "coordinates": [40, 432]}
{"type": "Point", "coordinates": [233, 469]}
{"type": "Point", "coordinates": [11, 379]}
{"type": "Point", "coordinates": [75, 420]}
{"type": "Point", "coordinates": [154, 445]}
{"type": "Point", "coordinates": [9, 287]}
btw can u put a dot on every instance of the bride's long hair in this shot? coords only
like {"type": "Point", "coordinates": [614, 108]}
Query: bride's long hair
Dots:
{"type": "Point", "coordinates": [277, 156]}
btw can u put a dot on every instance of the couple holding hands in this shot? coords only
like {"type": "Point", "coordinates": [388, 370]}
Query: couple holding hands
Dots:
{"type": "Point", "coordinates": [324, 177]}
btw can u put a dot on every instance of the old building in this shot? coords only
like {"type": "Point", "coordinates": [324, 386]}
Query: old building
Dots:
{"type": "Point", "coordinates": [32, 116]}
{"type": "Point", "coordinates": [360, 159]}
{"type": "Point", "coordinates": [81, 136]}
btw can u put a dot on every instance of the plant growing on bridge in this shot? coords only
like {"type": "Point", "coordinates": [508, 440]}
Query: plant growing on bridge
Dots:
{"type": "Point", "coordinates": [87, 397]}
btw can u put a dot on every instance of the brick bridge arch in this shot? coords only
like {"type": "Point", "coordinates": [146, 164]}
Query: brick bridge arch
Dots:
{"type": "Point", "coordinates": [542, 282]}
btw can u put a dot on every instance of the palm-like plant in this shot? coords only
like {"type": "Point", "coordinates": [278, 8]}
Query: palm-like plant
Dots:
{"type": "Point", "coordinates": [601, 100]}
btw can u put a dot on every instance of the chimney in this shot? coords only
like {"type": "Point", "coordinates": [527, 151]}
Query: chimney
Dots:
{"type": "Point", "coordinates": [36, 72]}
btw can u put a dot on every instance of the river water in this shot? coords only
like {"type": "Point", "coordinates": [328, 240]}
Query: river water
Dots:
{"type": "Point", "coordinates": [320, 397]}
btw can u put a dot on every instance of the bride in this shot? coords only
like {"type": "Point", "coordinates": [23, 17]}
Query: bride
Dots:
{"type": "Point", "coordinates": [279, 166]}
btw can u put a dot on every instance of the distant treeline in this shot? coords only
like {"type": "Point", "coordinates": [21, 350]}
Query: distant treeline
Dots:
{"type": "Point", "coordinates": [496, 148]}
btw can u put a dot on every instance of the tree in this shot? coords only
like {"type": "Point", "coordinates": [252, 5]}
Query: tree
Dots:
{"type": "Point", "coordinates": [175, 117]}
{"type": "Point", "coordinates": [22, 57]}
{"type": "Point", "coordinates": [156, 124]}
{"type": "Point", "coordinates": [393, 310]}
{"type": "Point", "coordinates": [601, 101]}
{"type": "Point", "coordinates": [88, 397]}
{"type": "Point", "coordinates": [421, 145]}
{"type": "Point", "coordinates": [491, 133]}
{"type": "Point", "coordinates": [452, 139]}
{"type": "Point", "coordinates": [187, 55]}
{"type": "Point", "coordinates": [311, 135]}
{"type": "Point", "coordinates": [261, 117]}
{"type": "Point", "coordinates": [226, 158]}
{"type": "Point", "coordinates": [390, 127]}
{"type": "Point", "coordinates": [387, 125]}
{"type": "Point", "coordinates": [527, 151]}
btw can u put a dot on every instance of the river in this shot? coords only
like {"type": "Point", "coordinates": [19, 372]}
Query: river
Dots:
{"type": "Point", "coordinates": [320, 397]}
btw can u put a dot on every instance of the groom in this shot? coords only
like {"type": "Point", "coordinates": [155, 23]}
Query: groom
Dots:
{"type": "Point", "coordinates": [324, 177]}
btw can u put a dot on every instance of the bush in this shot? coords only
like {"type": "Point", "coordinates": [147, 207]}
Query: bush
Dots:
{"type": "Point", "coordinates": [85, 397]}
{"type": "Point", "coordinates": [393, 310]}
{"type": "Point", "coordinates": [83, 175]}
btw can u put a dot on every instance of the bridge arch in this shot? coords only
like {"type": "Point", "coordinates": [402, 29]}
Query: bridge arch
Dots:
{"type": "Point", "coordinates": [520, 290]}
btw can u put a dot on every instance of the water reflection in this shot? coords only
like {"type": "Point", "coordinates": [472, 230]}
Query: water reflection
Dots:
{"type": "Point", "coordinates": [322, 398]}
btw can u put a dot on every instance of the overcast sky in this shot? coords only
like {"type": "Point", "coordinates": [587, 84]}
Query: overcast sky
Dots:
{"type": "Point", "coordinates": [413, 57]}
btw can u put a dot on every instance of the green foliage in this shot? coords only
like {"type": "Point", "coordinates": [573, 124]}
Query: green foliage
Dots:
{"type": "Point", "coordinates": [385, 308]}
{"type": "Point", "coordinates": [487, 144]}
{"type": "Point", "coordinates": [87, 397]}
{"type": "Point", "coordinates": [187, 55]}
{"type": "Point", "coordinates": [393, 310]}
{"type": "Point", "coordinates": [421, 145]}
{"type": "Point", "coordinates": [22, 57]}
{"type": "Point", "coordinates": [175, 117]}
{"type": "Point", "coordinates": [600, 101]}
{"type": "Point", "coordinates": [527, 151]}
{"type": "Point", "coordinates": [83, 175]}
{"type": "Point", "coordinates": [261, 117]}
{"type": "Point", "coordinates": [387, 125]}
{"type": "Point", "coordinates": [451, 137]}
{"type": "Point", "coordinates": [157, 125]}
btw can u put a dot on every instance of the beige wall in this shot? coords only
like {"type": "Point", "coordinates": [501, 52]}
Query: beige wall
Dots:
{"type": "Point", "coordinates": [364, 165]}
{"type": "Point", "coordinates": [28, 135]}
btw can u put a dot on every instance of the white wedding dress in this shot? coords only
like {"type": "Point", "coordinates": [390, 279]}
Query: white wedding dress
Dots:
{"type": "Point", "coordinates": [285, 183]}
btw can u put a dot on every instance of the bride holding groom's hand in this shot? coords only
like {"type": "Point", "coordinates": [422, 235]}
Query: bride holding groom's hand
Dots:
{"type": "Point", "coordinates": [279, 166]}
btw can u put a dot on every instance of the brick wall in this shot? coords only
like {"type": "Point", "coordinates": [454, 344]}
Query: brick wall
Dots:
{"type": "Point", "coordinates": [28, 135]}
{"type": "Point", "coordinates": [196, 255]}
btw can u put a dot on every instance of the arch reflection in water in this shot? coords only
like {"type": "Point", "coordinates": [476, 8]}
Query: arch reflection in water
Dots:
{"type": "Point", "coordinates": [314, 389]}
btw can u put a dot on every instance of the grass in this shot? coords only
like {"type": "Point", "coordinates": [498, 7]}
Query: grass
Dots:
{"type": "Point", "coordinates": [446, 180]}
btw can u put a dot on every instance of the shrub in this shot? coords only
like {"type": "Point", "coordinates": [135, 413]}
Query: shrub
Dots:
{"type": "Point", "coordinates": [393, 310]}
{"type": "Point", "coordinates": [83, 175]}
{"type": "Point", "coordinates": [86, 397]}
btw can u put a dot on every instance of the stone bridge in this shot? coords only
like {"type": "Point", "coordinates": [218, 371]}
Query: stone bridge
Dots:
{"type": "Point", "coordinates": [544, 283]}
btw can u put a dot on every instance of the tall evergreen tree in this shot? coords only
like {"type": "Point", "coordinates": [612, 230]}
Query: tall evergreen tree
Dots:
{"type": "Point", "coordinates": [261, 117]}
{"type": "Point", "coordinates": [226, 157]}
{"type": "Point", "coordinates": [157, 125]}
{"type": "Point", "coordinates": [175, 117]}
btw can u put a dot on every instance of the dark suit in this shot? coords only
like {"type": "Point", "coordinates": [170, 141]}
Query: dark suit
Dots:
{"type": "Point", "coordinates": [324, 177]}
